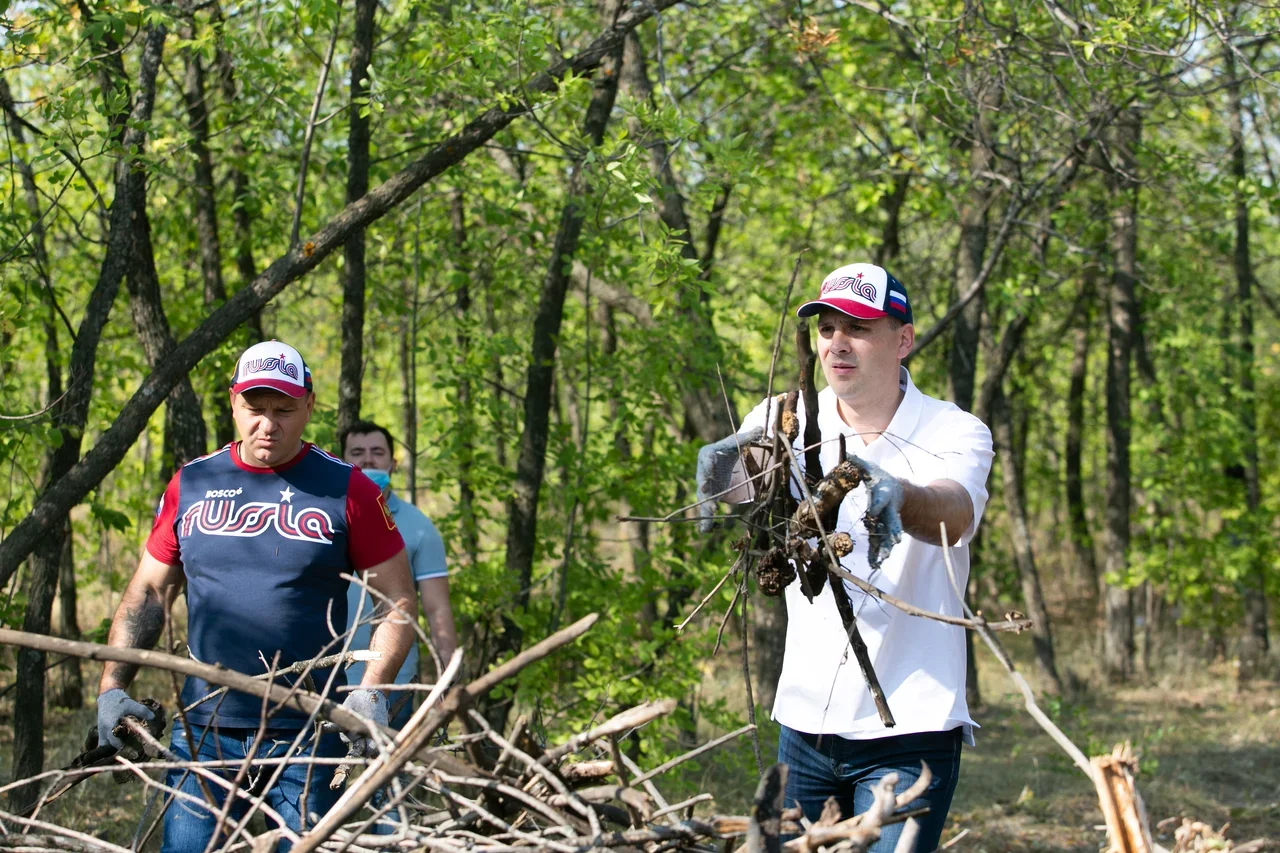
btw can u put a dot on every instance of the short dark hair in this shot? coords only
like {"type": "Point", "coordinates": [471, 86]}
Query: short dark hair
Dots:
{"type": "Point", "coordinates": [364, 428]}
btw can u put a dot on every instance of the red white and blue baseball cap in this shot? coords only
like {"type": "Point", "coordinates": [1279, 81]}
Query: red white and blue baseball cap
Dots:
{"type": "Point", "coordinates": [865, 291]}
{"type": "Point", "coordinates": [274, 365]}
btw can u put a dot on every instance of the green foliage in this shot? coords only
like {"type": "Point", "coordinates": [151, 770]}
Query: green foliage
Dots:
{"type": "Point", "coordinates": [834, 135]}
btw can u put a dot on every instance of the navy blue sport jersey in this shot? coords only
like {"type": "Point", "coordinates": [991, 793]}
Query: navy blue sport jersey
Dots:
{"type": "Point", "coordinates": [262, 550]}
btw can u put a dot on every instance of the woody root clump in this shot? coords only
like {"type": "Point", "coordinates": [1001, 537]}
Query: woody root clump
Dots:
{"type": "Point", "coordinates": [486, 791]}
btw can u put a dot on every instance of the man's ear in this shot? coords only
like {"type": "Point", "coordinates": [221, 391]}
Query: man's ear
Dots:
{"type": "Point", "coordinates": [906, 340]}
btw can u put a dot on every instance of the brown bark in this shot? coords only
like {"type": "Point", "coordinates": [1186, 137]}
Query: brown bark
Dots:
{"type": "Point", "coordinates": [522, 509]}
{"type": "Point", "coordinates": [962, 363]}
{"type": "Point", "coordinates": [1081, 536]}
{"type": "Point", "coordinates": [704, 404]}
{"type": "Point", "coordinates": [891, 236]}
{"type": "Point", "coordinates": [205, 213]}
{"type": "Point", "coordinates": [70, 417]}
{"type": "Point", "coordinates": [184, 430]}
{"type": "Point", "coordinates": [112, 446]}
{"type": "Point", "coordinates": [1023, 553]}
{"type": "Point", "coordinates": [1122, 304]}
{"type": "Point", "coordinates": [1254, 642]}
{"type": "Point", "coordinates": [70, 690]}
{"type": "Point", "coordinates": [965, 334]}
{"type": "Point", "coordinates": [466, 414]}
{"type": "Point", "coordinates": [409, 369]}
{"type": "Point", "coordinates": [242, 207]}
{"type": "Point", "coordinates": [351, 372]}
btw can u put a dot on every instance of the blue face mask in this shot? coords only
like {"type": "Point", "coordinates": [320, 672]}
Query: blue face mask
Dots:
{"type": "Point", "coordinates": [381, 479]}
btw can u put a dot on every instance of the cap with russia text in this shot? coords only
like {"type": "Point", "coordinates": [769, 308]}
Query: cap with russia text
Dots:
{"type": "Point", "coordinates": [274, 365]}
{"type": "Point", "coordinates": [865, 291]}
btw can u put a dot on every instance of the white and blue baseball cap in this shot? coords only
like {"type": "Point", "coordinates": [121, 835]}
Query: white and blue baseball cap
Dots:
{"type": "Point", "coordinates": [865, 291]}
{"type": "Point", "coordinates": [274, 365]}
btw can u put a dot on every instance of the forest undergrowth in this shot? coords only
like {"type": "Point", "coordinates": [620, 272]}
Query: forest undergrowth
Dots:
{"type": "Point", "coordinates": [1207, 752]}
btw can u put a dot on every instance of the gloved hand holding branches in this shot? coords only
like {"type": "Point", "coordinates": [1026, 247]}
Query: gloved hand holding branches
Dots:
{"type": "Point", "coordinates": [716, 464]}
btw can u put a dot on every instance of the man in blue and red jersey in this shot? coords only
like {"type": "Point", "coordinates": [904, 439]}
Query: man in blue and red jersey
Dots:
{"type": "Point", "coordinates": [260, 533]}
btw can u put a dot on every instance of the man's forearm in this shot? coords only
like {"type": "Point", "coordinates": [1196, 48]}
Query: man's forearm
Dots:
{"type": "Point", "coordinates": [392, 638]}
{"type": "Point", "coordinates": [924, 507]}
{"type": "Point", "coordinates": [138, 623]}
{"type": "Point", "coordinates": [434, 595]}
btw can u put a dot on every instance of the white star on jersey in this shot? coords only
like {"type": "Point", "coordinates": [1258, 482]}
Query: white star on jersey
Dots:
{"type": "Point", "coordinates": [286, 496]}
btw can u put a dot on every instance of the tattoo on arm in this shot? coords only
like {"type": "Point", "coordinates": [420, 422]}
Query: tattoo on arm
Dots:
{"type": "Point", "coordinates": [138, 625]}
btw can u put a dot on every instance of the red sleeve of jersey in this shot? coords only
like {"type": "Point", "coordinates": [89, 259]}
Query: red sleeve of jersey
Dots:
{"type": "Point", "coordinates": [372, 536]}
{"type": "Point", "coordinates": [163, 541]}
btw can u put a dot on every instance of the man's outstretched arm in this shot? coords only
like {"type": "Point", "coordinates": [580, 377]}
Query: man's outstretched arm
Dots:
{"type": "Point", "coordinates": [139, 620]}
{"type": "Point", "coordinates": [924, 507]}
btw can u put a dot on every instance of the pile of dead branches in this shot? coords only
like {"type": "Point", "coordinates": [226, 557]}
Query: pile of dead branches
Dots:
{"type": "Point", "coordinates": [483, 791]}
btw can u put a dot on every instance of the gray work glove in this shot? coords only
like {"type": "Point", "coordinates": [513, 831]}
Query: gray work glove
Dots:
{"type": "Point", "coordinates": [113, 705]}
{"type": "Point", "coordinates": [372, 705]}
{"type": "Point", "coordinates": [715, 472]}
{"type": "Point", "coordinates": [884, 509]}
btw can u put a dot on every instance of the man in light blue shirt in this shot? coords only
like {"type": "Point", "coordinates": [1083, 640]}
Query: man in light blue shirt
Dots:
{"type": "Point", "coordinates": [368, 446]}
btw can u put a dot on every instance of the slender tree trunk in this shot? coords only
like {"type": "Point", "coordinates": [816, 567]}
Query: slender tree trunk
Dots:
{"type": "Point", "coordinates": [1117, 649]}
{"type": "Point", "coordinates": [351, 372]}
{"type": "Point", "coordinates": [522, 509]}
{"type": "Point", "coordinates": [70, 417]}
{"type": "Point", "coordinates": [465, 432]}
{"type": "Point", "coordinates": [1023, 553]}
{"type": "Point", "coordinates": [703, 401]}
{"type": "Point", "coordinates": [243, 204]}
{"type": "Point", "coordinates": [891, 236]}
{"type": "Point", "coordinates": [70, 692]}
{"type": "Point", "coordinates": [409, 367]}
{"type": "Point", "coordinates": [1254, 642]}
{"type": "Point", "coordinates": [1081, 537]}
{"type": "Point", "coordinates": [963, 361]}
{"type": "Point", "coordinates": [185, 436]}
{"type": "Point", "coordinates": [965, 333]}
{"type": "Point", "coordinates": [205, 210]}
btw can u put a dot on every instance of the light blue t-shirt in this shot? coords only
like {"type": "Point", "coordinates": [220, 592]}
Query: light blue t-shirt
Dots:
{"type": "Point", "coordinates": [426, 560]}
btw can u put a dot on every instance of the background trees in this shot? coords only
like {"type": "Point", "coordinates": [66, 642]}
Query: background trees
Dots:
{"type": "Point", "coordinates": [566, 237]}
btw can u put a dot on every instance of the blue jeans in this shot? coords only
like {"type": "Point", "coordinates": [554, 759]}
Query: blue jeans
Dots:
{"type": "Point", "coordinates": [849, 770]}
{"type": "Point", "coordinates": [187, 827]}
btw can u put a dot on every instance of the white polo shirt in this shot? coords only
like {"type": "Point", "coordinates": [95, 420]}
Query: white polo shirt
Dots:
{"type": "Point", "coordinates": [920, 662]}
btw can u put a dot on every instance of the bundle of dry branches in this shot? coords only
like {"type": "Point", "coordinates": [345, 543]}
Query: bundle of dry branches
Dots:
{"type": "Point", "coordinates": [485, 792]}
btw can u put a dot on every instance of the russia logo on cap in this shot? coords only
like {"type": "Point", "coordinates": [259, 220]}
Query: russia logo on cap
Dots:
{"type": "Point", "coordinates": [865, 291]}
{"type": "Point", "coordinates": [274, 365]}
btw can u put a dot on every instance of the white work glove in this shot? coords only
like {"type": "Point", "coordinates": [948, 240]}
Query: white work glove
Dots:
{"type": "Point", "coordinates": [373, 705]}
{"type": "Point", "coordinates": [715, 472]}
{"type": "Point", "coordinates": [112, 706]}
{"type": "Point", "coordinates": [884, 509]}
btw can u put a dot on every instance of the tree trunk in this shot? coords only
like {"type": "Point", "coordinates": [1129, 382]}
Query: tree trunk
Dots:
{"type": "Point", "coordinates": [70, 417]}
{"type": "Point", "coordinates": [891, 236]}
{"type": "Point", "coordinates": [1081, 538]}
{"type": "Point", "coordinates": [241, 210]}
{"type": "Point", "coordinates": [522, 509]}
{"type": "Point", "coordinates": [409, 368]}
{"type": "Point", "coordinates": [185, 436]}
{"type": "Point", "coordinates": [1024, 555]}
{"type": "Point", "coordinates": [704, 404]}
{"type": "Point", "coordinates": [70, 693]}
{"type": "Point", "coordinates": [965, 334]}
{"type": "Point", "coordinates": [351, 373]}
{"type": "Point", "coordinates": [465, 433]}
{"type": "Point", "coordinates": [1254, 642]}
{"type": "Point", "coordinates": [205, 210]}
{"type": "Point", "coordinates": [1117, 650]}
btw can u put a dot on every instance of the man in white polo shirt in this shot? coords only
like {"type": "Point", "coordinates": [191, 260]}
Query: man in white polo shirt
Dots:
{"type": "Point", "coordinates": [927, 461]}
